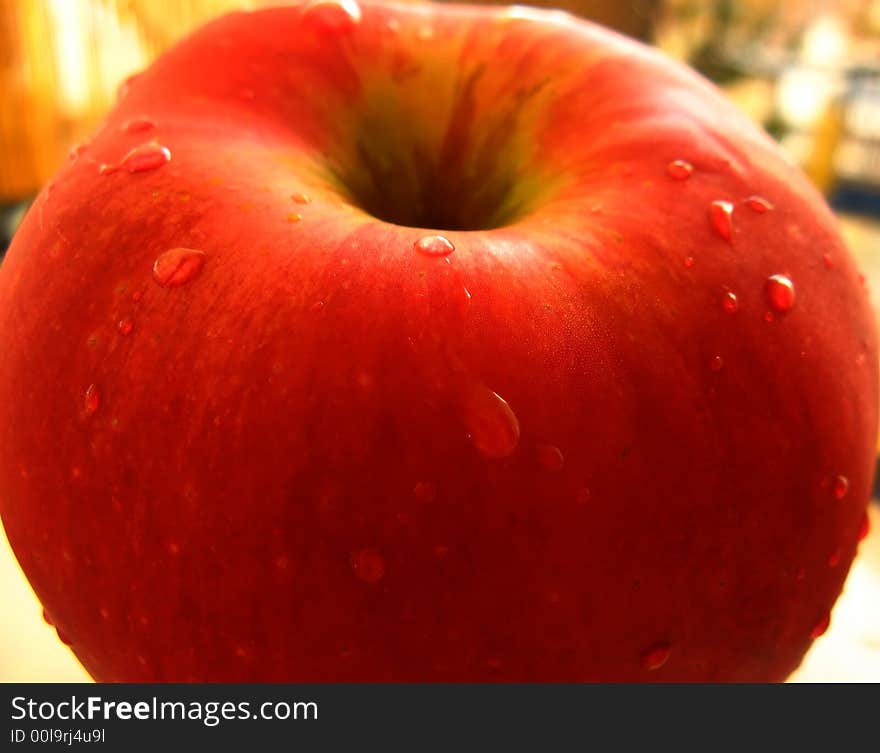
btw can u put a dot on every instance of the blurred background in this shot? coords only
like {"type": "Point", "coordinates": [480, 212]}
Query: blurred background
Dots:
{"type": "Point", "coordinates": [808, 71]}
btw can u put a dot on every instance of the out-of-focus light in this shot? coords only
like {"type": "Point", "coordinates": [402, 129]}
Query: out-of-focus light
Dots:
{"type": "Point", "coordinates": [803, 95]}
{"type": "Point", "coordinates": [825, 42]}
{"type": "Point", "coordinates": [67, 22]}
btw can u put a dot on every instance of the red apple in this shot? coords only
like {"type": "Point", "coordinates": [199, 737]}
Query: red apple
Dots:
{"type": "Point", "coordinates": [432, 343]}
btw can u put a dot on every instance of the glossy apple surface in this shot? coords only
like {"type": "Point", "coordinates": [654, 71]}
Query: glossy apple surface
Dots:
{"type": "Point", "coordinates": [432, 343]}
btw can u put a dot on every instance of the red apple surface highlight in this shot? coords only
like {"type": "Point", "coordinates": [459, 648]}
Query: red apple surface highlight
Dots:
{"type": "Point", "coordinates": [432, 343]}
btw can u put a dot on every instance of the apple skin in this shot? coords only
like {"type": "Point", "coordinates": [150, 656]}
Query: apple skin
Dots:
{"type": "Point", "coordinates": [295, 465]}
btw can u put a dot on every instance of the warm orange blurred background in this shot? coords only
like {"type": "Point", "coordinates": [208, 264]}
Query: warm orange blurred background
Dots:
{"type": "Point", "coordinates": [807, 70]}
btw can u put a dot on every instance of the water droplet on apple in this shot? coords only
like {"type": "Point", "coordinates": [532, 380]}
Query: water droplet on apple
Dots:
{"type": "Point", "coordinates": [780, 293]}
{"type": "Point", "coordinates": [834, 559]}
{"type": "Point", "coordinates": [125, 326]}
{"type": "Point", "coordinates": [492, 426]}
{"type": "Point", "coordinates": [864, 527]}
{"type": "Point", "coordinates": [178, 267]}
{"type": "Point", "coordinates": [821, 627]}
{"type": "Point", "coordinates": [716, 363]}
{"type": "Point", "coordinates": [425, 492]}
{"type": "Point", "coordinates": [828, 261]}
{"type": "Point", "coordinates": [92, 400]}
{"type": "Point", "coordinates": [368, 565]}
{"type": "Point", "coordinates": [679, 169]}
{"type": "Point", "coordinates": [434, 245]}
{"type": "Point", "coordinates": [840, 486]}
{"type": "Point", "coordinates": [301, 198]}
{"type": "Point", "coordinates": [126, 85]}
{"type": "Point", "coordinates": [47, 619]}
{"type": "Point", "coordinates": [137, 295]}
{"type": "Point", "coordinates": [583, 495]}
{"type": "Point", "coordinates": [77, 151]}
{"type": "Point", "coordinates": [138, 125]}
{"type": "Point", "coordinates": [655, 656]}
{"type": "Point", "coordinates": [63, 637]}
{"type": "Point", "coordinates": [768, 317]}
{"type": "Point", "coordinates": [142, 158]}
{"type": "Point", "coordinates": [334, 14]}
{"type": "Point", "coordinates": [688, 262]}
{"type": "Point", "coordinates": [294, 217]}
{"type": "Point", "coordinates": [758, 204]}
{"type": "Point", "coordinates": [550, 457]}
{"type": "Point", "coordinates": [317, 306]}
{"type": "Point", "coordinates": [730, 303]}
{"type": "Point", "coordinates": [721, 219]}
{"type": "Point", "coordinates": [104, 612]}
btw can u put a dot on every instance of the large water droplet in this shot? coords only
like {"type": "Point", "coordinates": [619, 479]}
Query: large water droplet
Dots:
{"type": "Point", "coordinates": [721, 219]}
{"type": "Point", "coordinates": [178, 267]}
{"type": "Point", "coordinates": [125, 326]}
{"type": "Point", "coordinates": [92, 400]}
{"type": "Point", "coordinates": [840, 486]}
{"type": "Point", "coordinates": [821, 627]}
{"type": "Point", "coordinates": [138, 125]}
{"type": "Point", "coordinates": [550, 457]}
{"type": "Point", "coordinates": [730, 303]}
{"type": "Point", "coordinates": [780, 293]}
{"type": "Point", "coordinates": [434, 245]}
{"type": "Point", "coordinates": [679, 169]}
{"type": "Point", "coordinates": [656, 655]}
{"type": "Point", "coordinates": [368, 565]}
{"type": "Point", "coordinates": [492, 425]}
{"type": "Point", "coordinates": [758, 204]}
{"type": "Point", "coordinates": [145, 157]}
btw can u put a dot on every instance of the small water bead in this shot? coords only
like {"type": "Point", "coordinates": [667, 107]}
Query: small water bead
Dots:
{"type": "Point", "coordinates": [730, 303]}
{"type": "Point", "coordinates": [716, 363]}
{"type": "Point", "coordinates": [655, 656]}
{"type": "Point", "coordinates": [583, 495]}
{"type": "Point", "coordinates": [768, 317]}
{"type": "Point", "coordinates": [301, 198]}
{"type": "Point", "coordinates": [178, 267]}
{"type": "Point", "coordinates": [138, 125]}
{"type": "Point", "coordinates": [780, 293]}
{"type": "Point", "coordinates": [492, 426]}
{"type": "Point", "coordinates": [434, 245]}
{"type": "Point", "coordinates": [63, 637]}
{"type": "Point", "coordinates": [149, 156]}
{"type": "Point", "coordinates": [368, 565]}
{"type": "Point", "coordinates": [77, 152]}
{"type": "Point", "coordinates": [425, 492]}
{"type": "Point", "coordinates": [840, 486]}
{"type": "Point", "coordinates": [137, 295]}
{"type": "Point", "coordinates": [828, 261]}
{"type": "Point", "coordinates": [317, 306]}
{"type": "Point", "coordinates": [758, 204]}
{"type": "Point", "coordinates": [834, 559]}
{"type": "Point", "coordinates": [47, 619]}
{"type": "Point", "coordinates": [92, 400]}
{"type": "Point", "coordinates": [688, 262]}
{"type": "Point", "coordinates": [679, 169]}
{"type": "Point", "coordinates": [125, 326]}
{"type": "Point", "coordinates": [294, 217]}
{"type": "Point", "coordinates": [550, 457]}
{"type": "Point", "coordinates": [721, 219]}
{"type": "Point", "coordinates": [821, 627]}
